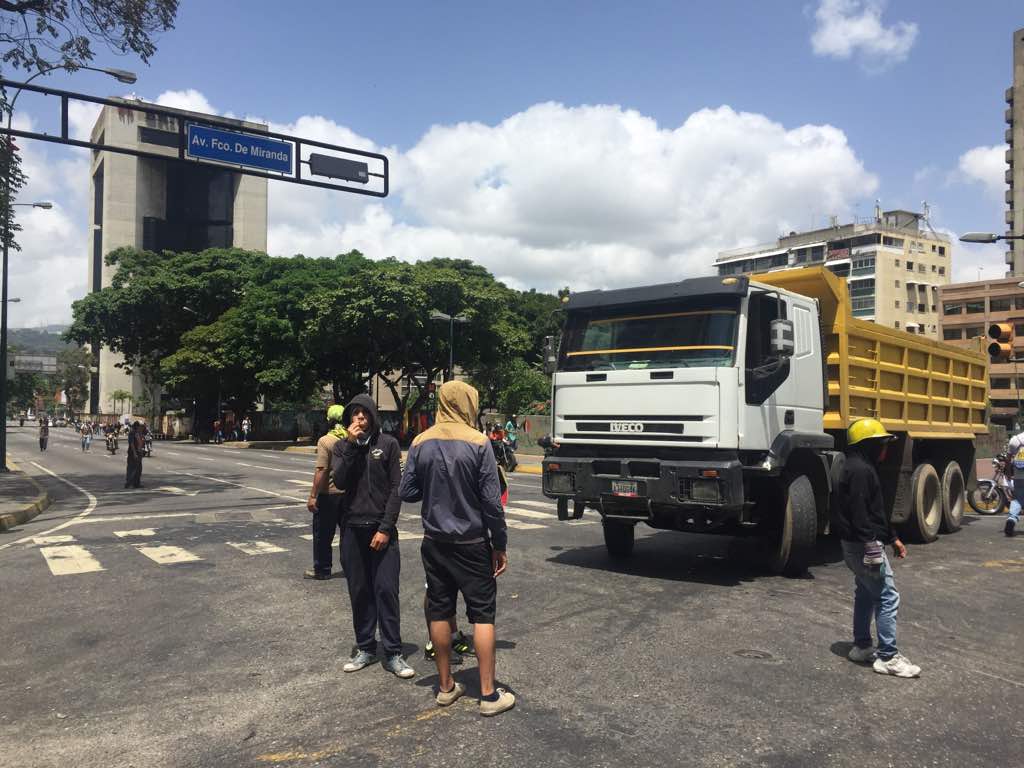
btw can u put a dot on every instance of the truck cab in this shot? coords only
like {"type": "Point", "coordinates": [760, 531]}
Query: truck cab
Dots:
{"type": "Point", "coordinates": [679, 405]}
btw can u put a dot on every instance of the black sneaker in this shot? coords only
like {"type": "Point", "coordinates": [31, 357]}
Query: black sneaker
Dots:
{"type": "Point", "coordinates": [454, 657]}
{"type": "Point", "coordinates": [1008, 528]}
{"type": "Point", "coordinates": [311, 574]}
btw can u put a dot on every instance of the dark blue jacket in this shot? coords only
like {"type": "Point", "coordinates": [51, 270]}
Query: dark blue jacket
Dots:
{"type": "Point", "coordinates": [451, 469]}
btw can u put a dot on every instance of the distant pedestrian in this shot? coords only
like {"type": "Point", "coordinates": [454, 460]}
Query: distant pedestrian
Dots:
{"type": "Point", "coordinates": [367, 467]}
{"type": "Point", "coordinates": [512, 432]}
{"type": "Point", "coordinates": [451, 469]}
{"type": "Point", "coordinates": [325, 498]}
{"type": "Point", "coordinates": [864, 529]}
{"type": "Point", "coordinates": [86, 437]}
{"type": "Point", "coordinates": [218, 435]}
{"type": "Point", "coordinates": [136, 449]}
{"type": "Point", "coordinates": [44, 434]}
{"type": "Point", "coordinates": [1015, 465]}
{"type": "Point", "coordinates": [246, 427]}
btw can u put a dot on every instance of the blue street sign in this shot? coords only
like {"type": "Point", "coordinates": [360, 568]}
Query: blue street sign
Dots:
{"type": "Point", "coordinates": [238, 148]}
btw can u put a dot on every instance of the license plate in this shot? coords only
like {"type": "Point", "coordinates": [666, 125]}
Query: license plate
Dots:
{"type": "Point", "coordinates": [624, 487]}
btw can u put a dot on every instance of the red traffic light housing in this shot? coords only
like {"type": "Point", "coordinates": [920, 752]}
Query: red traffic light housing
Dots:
{"type": "Point", "coordinates": [1000, 348]}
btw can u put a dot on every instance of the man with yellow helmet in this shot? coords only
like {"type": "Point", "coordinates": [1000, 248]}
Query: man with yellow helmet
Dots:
{"type": "Point", "coordinates": [324, 500]}
{"type": "Point", "coordinates": [860, 520]}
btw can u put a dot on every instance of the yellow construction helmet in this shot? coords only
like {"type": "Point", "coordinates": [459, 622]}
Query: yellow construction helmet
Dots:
{"type": "Point", "coordinates": [866, 429]}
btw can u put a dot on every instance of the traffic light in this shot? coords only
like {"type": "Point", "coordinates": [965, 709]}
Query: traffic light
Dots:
{"type": "Point", "coordinates": [1000, 348]}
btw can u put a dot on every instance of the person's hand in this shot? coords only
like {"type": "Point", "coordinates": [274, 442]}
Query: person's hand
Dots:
{"type": "Point", "coordinates": [311, 504]}
{"type": "Point", "coordinates": [900, 549]}
{"type": "Point", "coordinates": [500, 562]}
{"type": "Point", "coordinates": [379, 541]}
{"type": "Point", "coordinates": [354, 432]}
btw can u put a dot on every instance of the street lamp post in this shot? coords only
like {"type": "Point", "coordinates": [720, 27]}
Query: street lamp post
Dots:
{"type": "Point", "coordinates": [122, 76]}
{"type": "Point", "coordinates": [451, 320]}
{"type": "Point", "coordinates": [986, 237]}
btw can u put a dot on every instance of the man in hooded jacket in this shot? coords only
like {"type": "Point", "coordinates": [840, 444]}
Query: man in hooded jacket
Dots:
{"type": "Point", "coordinates": [451, 469]}
{"type": "Point", "coordinates": [366, 465]}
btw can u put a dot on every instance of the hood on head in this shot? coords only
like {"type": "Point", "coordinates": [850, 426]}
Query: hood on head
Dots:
{"type": "Point", "coordinates": [458, 402]}
{"type": "Point", "coordinates": [366, 402]}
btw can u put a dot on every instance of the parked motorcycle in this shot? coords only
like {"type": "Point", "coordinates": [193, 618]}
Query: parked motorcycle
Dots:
{"type": "Point", "coordinates": [992, 497]}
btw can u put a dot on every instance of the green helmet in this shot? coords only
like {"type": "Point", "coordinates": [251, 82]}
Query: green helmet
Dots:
{"type": "Point", "coordinates": [335, 414]}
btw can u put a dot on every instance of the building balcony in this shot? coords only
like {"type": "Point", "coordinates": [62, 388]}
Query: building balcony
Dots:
{"type": "Point", "coordinates": [1009, 218]}
{"type": "Point", "coordinates": [1009, 194]}
{"type": "Point", "coordinates": [1009, 115]}
{"type": "Point", "coordinates": [1009, 95]}
{"type": "Point", "coordinates": [1009, 136]}
{"type": "Point", "coordinates": [1009, 156]}
{"type": "Point", "coordinates": [1008, 176]}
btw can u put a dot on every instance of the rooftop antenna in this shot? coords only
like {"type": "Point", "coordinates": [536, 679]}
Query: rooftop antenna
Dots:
{"type": "Point", "coordinates": [878, 210]}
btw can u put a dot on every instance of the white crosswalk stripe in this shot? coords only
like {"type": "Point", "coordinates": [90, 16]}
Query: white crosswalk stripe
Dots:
{"type": "Point", "coordinates": [70, 559]}
{"type": "Point", "coordinates": [166, 554]}
{"type": "Point", "coordinates": [538, 504]}
{"type": "Point", "coordinates": [519, 525]}
{"type": "Point", "coordinates": [137, 532]}
{"type": "Point", "coordinates": [62, 539]}
{"type": "Point", "coordinates": [529, 513]}
{"type": "Point", "coordinates": [256, 547]}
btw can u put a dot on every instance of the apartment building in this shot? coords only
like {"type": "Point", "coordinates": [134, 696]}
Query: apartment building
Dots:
{"type": "Point", "coordinates": [1015, 158]}
{"type": "Point", "coordinates": [894, 264]}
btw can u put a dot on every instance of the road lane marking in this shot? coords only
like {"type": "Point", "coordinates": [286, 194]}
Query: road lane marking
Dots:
{"type": "Point", "coordinates": [519, 525]}
{"type": "Point", "coordinates": [63, 539]}
{"type": "Point", "coordinates": [70, 559]}
{"type": "Point", "coordinates": [334, 542]}
{"type": "Point", "coordinates": [166, 554]}
{"type": "Point", "coordinates": [283, 506]}
{"type": "Point", "coordinates": [86, 512]}
{"type": "Point", "coordinates": [581, 522]}
{"type": "Point", "coordinates": [537, 504]}
{"type": "Point", "coordinates": [240, 485]}
{"type": "Point", "coordinates": [256, 547]}
{"type": "Point", "coordinates": [134, 516]}
{"type": "Point", "coordinates": [273, 469]}
{"type": "Point", "coordinates": [528, 513]}
{"type": "Point", "coordinates": [298, 482]}
{"type": "Point", "coordinates": [413, 536]}
{"type": "Point", "coordinates": [172, 453]}
{"type": "Point", "coordinates": [136, 532]}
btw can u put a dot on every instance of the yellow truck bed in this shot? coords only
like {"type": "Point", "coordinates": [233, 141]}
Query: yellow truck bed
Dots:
{"type": "Point", "coordinates": [910, 383]}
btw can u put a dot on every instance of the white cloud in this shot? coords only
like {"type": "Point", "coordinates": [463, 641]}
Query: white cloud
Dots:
{"type": "Point", "coordinates": [853, 28]}
{"type": "Point", "coordinates": [985, 166]}
{"type": "Point", "coordinates": [189, 99]}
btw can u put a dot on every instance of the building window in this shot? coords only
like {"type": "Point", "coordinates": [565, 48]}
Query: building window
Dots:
{"type": "Point", "coordinates": [934, 307]}
{"type": "Point", "coordinates": [942, 250]}
{"type": "Point", "coordinates": [934, 268]}
{"type": "Point", "coordinates": [864, 266]}
{"type": "Point", "coordinates": [922, 268]}
{"type": "Point", "coordinates": [910, 266]}
{"type": "Point", "coordinates": [862, 297]}
{"type": "Point", "coordinates": [897, 283]}
{"type": "Point", "coordinates": [840, 270]}
{"type": "Point", "coordinates": [897, 262]}
{"type": "Point", "coordinates": [942, 270]}
{"type": "Point", "coordinates": [999, 305]}
{"type": "Point", "coordinates": [952, 309]}
{"type": "Point", "coordinates": [975, 307]}
{"type": "Point", "coordinates": [1018, 302]}
{"type": "Point", "coordinates": [949, 334]}
{"type": "Point", "coordinates": [1018, 329]}
{"type": "Point", "coordinates": [1000, 383]}
{"type": "Point", "coordinates": [896, 324]}
{"type": "Point", "coordinates": [897, 303]}
{"type": "Point", "coordinates": [971, 331]}
{"type": "Point", "coordinates": [893, 242]}
{"type": "Point", "coordinates": [817, 252]}
{"type": "Point", "coordinates": [933, 247]}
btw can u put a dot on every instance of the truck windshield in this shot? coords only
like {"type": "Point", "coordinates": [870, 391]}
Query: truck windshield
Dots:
{"type": "Point", "coordinates": [695, 333]}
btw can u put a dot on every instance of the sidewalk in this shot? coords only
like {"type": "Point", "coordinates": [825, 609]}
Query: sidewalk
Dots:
{"type": "Point", "coordinates": [21, 497]}
{"type": "Point", "coordinates": [529, 464]}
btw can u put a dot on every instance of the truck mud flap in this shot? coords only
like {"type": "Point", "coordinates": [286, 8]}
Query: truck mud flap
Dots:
{"type": "Point", "coordinates": [578, 507]}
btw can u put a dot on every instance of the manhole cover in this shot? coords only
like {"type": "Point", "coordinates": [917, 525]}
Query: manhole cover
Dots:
{"type": "Point", "coordinates": [752, 654]}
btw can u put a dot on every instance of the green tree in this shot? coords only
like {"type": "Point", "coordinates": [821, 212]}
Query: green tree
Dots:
{"type": "Point", "coordinates": [23, 390]}
{"type": "Point", "coordinates": [118, 398]}
{"type": "Point", "coordinates": [73, 376]}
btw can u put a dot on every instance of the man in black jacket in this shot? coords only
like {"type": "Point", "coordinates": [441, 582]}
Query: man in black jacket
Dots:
{"type": "Point", "coordinates": [860, 521]}
{"type": "Point", "coordinates": [367, 466]}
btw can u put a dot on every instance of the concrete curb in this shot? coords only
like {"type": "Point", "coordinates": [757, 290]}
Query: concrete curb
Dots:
{"type": "Point", "coordinates": [528, 469]}
{"type": "Point", "coordinates": [10, 519]}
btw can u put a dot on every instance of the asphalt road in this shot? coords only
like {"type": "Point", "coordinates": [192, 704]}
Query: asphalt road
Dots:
{"type": "Point", "coordinates": [171, 627]}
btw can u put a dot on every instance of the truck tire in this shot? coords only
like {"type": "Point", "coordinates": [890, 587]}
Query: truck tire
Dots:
{"type": "Point", "coordinates": [952, 498]}
{"type": "Point", "coordinates": [925, 505]}
{"type": "Point", "coordinates": [618, 537]}
{"type": "Point", "coordinates": [791, 542]}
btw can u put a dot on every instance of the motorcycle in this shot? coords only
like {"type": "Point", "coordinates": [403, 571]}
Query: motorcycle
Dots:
{"type": "Point", "coordinates": [992, 497]}
{"type": "Point", "coordinates": [504, 455]}
{"type": "Point", "coordinates": [112, 443]}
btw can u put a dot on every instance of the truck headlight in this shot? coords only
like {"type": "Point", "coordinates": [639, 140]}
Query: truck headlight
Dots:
{"type": "Point", "coordinates": [561, 482]}
{"type": "Point", "coordinates": [705, 491]}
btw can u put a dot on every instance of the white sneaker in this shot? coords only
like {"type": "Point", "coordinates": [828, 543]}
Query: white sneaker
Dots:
{"type": "Point", "coordinates": [861, 655]}
{"type": "Point", "coordinates": [899, 666]}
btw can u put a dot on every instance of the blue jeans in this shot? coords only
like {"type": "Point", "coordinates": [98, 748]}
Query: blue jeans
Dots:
{"type": "Point", "coordinates": [1016, 500]}
{"type": "Point", "coordinates": [876, 595]}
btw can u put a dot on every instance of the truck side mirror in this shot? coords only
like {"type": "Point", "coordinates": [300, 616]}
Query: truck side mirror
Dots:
{"type": "Point", "coordinates": [782, 344]}
{"type": "Point", "coordinates": [550, 355]}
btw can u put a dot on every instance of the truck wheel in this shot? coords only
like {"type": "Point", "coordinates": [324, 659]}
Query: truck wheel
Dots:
{"type": "Point", "coordinates": [618, 537]}
{"type": "Point", "coordinates": [925, 505]}
{"type": "Point", "coordinates": [792, 540]}
{"type": "Point", "coordinates": [952, 498]}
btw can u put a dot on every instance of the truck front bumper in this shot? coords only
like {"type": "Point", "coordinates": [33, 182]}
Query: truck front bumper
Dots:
{"type": "Point", "coordinates": [710, 491]}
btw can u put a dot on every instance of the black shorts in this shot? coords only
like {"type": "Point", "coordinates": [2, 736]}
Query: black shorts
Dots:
{"type": "Point", "coordinates": [454, 568]}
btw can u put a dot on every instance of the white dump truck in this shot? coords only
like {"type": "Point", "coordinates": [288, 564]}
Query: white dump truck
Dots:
{"type": "Point", "coordinates": [720, 405]}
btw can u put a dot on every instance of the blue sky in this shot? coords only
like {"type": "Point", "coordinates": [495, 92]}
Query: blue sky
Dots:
{"type": "Point", "coordinates": [616, 140]}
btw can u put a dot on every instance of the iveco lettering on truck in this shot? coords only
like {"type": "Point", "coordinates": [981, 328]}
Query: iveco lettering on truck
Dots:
{"type": "Point", "coordinates": [720, 405]}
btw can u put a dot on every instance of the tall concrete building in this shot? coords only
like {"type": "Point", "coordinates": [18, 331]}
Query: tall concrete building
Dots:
{"type": "Point", "coordinates": [1015, 158]}
{"type": "Point", "coordinates": [893, 262]}
{"type": "Point", "coordinates": [160, 205]}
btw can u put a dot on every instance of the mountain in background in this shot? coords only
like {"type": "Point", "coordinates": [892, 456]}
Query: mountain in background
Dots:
{"type": "Point", "coordinates": [43, 341]}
